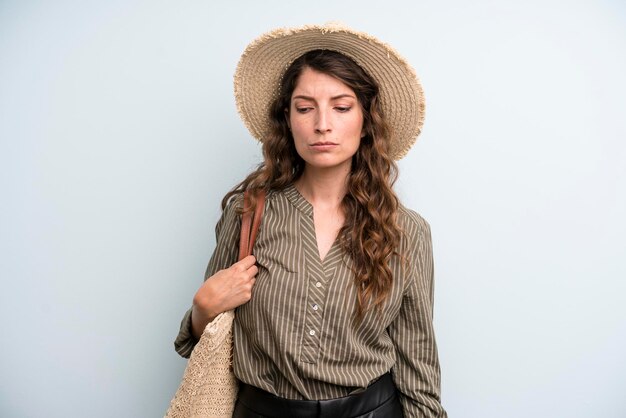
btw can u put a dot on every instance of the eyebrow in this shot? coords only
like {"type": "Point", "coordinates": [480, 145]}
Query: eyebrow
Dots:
{"type": "Point", "coordinates": [339, 96]}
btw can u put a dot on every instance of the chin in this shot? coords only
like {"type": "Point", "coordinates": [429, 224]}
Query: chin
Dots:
{"type": "Point", "coordinates": [328, 163]}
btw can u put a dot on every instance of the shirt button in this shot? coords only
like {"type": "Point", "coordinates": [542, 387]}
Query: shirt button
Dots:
{"type": "Point", "coordinates": [315, 307]}
{"type": "Point", "coordinates": [311, 332]}
{"type": "Point", "coordinates": [318, 284]}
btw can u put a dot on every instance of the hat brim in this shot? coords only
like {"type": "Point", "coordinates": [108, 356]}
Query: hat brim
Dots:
{"type": "Point", "coordinates": [259, 72]}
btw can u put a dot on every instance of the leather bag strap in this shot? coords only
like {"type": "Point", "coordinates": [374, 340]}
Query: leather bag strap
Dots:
{"type": "Point", "coordinates": [250, 223]}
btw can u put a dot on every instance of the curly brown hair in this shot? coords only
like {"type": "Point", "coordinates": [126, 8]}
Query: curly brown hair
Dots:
{"type": "Point", "coordinates": [370, 235]}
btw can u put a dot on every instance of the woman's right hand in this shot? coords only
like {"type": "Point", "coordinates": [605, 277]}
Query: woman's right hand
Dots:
{"type": "Point", "coordinates": [223, 291]}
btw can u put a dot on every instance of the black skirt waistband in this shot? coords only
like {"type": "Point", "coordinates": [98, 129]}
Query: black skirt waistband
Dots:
{"type": "Point", "coordinates": [266, 404]}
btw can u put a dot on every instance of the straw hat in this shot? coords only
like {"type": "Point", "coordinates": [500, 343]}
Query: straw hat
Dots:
{"type": "Point", "coordinates": [261, 66]}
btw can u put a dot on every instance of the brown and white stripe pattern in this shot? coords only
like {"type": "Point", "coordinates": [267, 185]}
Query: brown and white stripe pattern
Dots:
{"type": "Point", "coordinates": [295, 338]}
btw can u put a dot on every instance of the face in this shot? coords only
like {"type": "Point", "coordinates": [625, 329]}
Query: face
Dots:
{"type": "Point", "coordinates": [326, 121]}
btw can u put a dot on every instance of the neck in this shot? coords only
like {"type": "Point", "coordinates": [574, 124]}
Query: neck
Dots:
{"type": "Point", "coordinates": [323, 187]}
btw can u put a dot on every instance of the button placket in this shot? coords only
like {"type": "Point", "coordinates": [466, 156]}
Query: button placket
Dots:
{"type": "Point", "coordinates": [316, 292]}
{"type": "Point", "coordinates": [314, 317]}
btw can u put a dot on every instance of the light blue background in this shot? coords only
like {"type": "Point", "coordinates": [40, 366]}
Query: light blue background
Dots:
{"type": "Point", "coordinates": [119, 136]}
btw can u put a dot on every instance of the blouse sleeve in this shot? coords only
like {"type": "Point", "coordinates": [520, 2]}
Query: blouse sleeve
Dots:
{"type": "Point", "coordinates": [416, 371]}
{"type": "Point", "coordinates": [224, 256]}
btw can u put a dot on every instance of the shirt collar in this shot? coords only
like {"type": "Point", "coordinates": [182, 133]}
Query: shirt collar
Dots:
{"type": "Point", "coordinates": [298, 200]}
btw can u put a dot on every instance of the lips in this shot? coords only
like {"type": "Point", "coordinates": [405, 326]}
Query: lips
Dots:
{"type": "Point", "coordinates": [323, 146]}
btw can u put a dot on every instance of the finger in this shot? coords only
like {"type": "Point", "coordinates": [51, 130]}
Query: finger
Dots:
{"type": "Point", "coordinates": [252, 271]}
{"type": "Point", "coordinates": [246, 263]}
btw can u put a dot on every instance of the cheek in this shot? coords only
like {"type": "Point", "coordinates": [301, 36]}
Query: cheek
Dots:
{"type": "Point", "coordinates": [299, 128]}
{"type": "Point", "coordinates": [299, 139]}
{"type": "Point", "coordinates": [359, 128]}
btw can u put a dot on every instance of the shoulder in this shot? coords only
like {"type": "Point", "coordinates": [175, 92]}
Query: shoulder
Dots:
{"type": "Point", "coordinates": [412, 223]}
{"type": "Point", "coordinates": [415, 237]}
{"type": "Point", "coordinates": [233, 206]}
{"type": "Point", "coordinates": [234, 203]}
{"type": "Point", "coordinates": [231, 214]}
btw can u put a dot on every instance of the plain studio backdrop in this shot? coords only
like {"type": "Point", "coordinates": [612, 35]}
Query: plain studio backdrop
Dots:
{"type": "Point", "coordinates": [119, 136]}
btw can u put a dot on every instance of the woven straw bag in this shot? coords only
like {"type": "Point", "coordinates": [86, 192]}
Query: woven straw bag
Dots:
{"type": "Point", "coordinates": [209, 387]}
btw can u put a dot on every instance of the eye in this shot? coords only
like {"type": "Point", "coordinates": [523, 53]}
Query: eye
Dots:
{"type": "Point", "coordinates": [303, 109]}
{"type": "Point", "coordinates": [343, 109]}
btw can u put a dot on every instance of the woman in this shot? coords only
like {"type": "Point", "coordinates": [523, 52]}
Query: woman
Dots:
{"type": "Point", "coordinates": [334, 311]}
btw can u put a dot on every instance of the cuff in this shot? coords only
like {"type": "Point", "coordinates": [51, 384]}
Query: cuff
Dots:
{"type": "Point", "coordinates": [185, 341]}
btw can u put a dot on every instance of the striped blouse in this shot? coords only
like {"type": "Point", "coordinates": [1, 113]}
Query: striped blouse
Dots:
{"type": "Point", "coordinates": [295, 338]}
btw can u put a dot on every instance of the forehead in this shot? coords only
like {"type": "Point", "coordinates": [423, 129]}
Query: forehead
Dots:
{"type": "Point", "coordinates": [311, 82]}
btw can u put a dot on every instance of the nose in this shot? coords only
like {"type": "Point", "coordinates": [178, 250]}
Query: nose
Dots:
{"type": "Point", "coordinates": [322, 122]}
